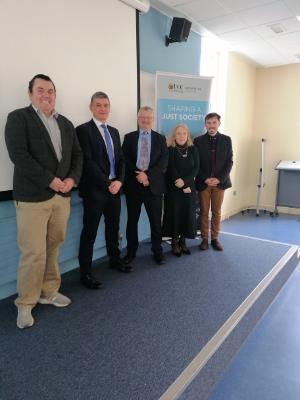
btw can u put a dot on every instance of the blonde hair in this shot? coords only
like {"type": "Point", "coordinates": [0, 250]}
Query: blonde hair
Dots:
{"type": "Point", "coordinates": [171, 141]}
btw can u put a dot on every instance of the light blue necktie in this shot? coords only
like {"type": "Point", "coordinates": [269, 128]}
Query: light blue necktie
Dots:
{"type": "Point", "coordinates": [110, 151]}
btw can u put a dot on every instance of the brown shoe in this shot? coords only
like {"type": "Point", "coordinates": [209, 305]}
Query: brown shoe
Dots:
{"type": "Point", "coordinates": [203, 245]}
{"type": "Point", "coordinates": [216, 245]}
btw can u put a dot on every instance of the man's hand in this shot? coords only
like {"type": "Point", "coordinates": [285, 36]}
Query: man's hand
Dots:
{"type": "Point", "coordinates": [187, 190]}
{"type": "Point", "coordinates": [212, 181]}
{"type": "Point", "coordinates": [57, 185]}
{"type": "Point", "coordinates": [114, 187]}
{"type": "Point", "coordinates": [68, 185]}
{"type": "Point", "coordinates": [141, 177]}
{"type": "Point", "coordinates": [179, 183]}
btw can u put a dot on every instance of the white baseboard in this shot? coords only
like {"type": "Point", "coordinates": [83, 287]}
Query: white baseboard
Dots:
{"type": "Point", "coordinates": [269, 208]}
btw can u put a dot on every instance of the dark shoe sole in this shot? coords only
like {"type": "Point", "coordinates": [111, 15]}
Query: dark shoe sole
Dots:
{"type": "Point", "coordinates": [92, 287]}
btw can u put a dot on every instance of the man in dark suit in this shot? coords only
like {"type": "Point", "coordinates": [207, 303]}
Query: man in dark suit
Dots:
{"type": "Point", "coordinates": [215, 154]}
{"type": "Point", "coordinates": [101, 181]}
{"type": "Point", "coordinates": [47, 159]}
{"type": "Point", "coordinates": [146, 157]}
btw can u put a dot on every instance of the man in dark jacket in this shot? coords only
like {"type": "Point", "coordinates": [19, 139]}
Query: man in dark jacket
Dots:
{"type": "Point", "coordinates": [146, 156]}
{"type": "Point", "coordinates": [101, 181]}
{"type": "Point", "coordinates": [215, 154]}
{"type": "Point", "coordinates": [47, 159]}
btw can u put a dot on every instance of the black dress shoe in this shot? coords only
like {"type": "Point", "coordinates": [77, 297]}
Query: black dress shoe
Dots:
{"type": "Point", "coordinates": [90, 282]}
{"type": "Point", "coordinates": [176, 249]}
{"type": "Point", "coordinates": [159, 258]}
{"type": "Point", "coordinates": [120, 266]}
{"type": "Point", "coordinates": [183, 246]}
{"type": "Point", "coordinates": [128, 259]}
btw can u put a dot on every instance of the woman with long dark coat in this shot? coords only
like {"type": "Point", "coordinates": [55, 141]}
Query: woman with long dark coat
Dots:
{"type": "Point", "coordinates": [179, 220]}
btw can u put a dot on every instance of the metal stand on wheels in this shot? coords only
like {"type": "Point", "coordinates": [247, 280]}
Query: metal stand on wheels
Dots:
{"type": "Point", "coordinates": [261, 184]}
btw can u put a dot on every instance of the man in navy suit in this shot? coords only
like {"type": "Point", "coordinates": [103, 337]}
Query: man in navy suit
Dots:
{"type": "Point", "coordinates": [101, 181]}
{"type": "Point", "coordinates": [146, 156]}
{"type": "Point", "coordinates": [215, 154]}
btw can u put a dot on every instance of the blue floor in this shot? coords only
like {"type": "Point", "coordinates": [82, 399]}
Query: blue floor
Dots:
{"type": "Point", "coordinates": [132, 339]}
{"type": "Point", "coordinates": [283, 228]}
{"type": "Point", "coordinates": [268, 364]}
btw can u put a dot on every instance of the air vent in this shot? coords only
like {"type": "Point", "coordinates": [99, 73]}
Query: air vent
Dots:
{"type": "Point", "coordinates": [277, 28]}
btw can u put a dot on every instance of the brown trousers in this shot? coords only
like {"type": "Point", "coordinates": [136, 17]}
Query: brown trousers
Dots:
{"type": "Point", "coordinates": [211, 197]}
{"type": "Point", "coordinates": [41, 230]}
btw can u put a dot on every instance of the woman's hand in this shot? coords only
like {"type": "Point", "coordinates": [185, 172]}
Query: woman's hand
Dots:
{"type": "Point", "coordinates": [179, 183]}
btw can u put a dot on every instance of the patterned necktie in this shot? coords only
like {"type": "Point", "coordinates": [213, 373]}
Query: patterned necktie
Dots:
{"type": "Point", "coordinates": [144, 161]}
{"type": "Point", "coordinates": [110, 151]}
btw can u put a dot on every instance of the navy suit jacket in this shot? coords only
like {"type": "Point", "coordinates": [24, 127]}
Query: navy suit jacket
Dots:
{"type": "Point", "coordinates": [223, 161]}
{"type": "Point", "coordinates": [96, 168]}
{"type": "Point", "coordinates": [157, 166]}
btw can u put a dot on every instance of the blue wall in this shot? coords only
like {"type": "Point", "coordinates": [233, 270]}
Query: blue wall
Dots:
{"type": "Point", "coordinates": [155, 56]}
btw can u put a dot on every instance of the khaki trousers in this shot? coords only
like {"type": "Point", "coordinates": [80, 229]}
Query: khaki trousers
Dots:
{"type": "Point", "coordinates": [41, 230]}
{"type": "Point", "coordinates": [211, 197]}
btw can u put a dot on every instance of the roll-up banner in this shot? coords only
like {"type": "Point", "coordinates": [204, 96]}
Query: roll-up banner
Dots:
{"type": "Point", "coordinates": [181, 99]}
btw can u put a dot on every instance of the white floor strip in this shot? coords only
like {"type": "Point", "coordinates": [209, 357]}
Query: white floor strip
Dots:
{"type": "Point", "coordinates": [192, 370]}
{"type": "Point", "coordinates": [257, 238]}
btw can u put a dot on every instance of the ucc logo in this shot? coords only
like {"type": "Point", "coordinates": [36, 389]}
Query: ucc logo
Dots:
{"type": "Point", "coordinates": [175, 87]}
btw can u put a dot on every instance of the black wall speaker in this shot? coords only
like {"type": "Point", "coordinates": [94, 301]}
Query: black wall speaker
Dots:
{"type": "Point", "coordinates": [180, 30]}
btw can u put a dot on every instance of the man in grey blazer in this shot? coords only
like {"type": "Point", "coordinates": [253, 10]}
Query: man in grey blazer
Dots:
{"type": "Point", "coordinates": [47, 159]}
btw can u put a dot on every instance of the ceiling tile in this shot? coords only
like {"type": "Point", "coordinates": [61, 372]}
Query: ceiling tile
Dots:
{"type": "Point", "coordinates": [293, 5]}
{"type": "Point", "coordinates": [289, 42]}
{"type": "Point", "coordinates": [224, 24]}
{"type": "Point", "coordinates": [289, 25]}
{"type": "Point", "coordinates": [241, 36]}
{"type": "Point", "coordinates": [265, 14]}
{"type": "Point", "coordinates": [202, 10]}
{"type": "Point", "coordinates": [238, 5]}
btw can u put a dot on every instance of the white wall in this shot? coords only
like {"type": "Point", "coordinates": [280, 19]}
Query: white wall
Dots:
{"type": "Point", "coordinates": [277, 118]}
{"type": "Point", "coordinates": [84, 46]}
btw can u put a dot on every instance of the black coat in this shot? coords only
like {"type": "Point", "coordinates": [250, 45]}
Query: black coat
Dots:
{"type": "Point", "coordinates": [180, 208]}
{"type": "Point", "coordinates": [157, 165]}
{"type": "Point", "coordinates": [223, 161]}
{"type": "Point", "coordinates": [96, 168]}
{"type": "Point", "coordinates": [35, 162]}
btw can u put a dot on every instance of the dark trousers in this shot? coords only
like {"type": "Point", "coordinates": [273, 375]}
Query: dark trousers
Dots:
{"type": "Point", "coordinates": [153, 206]}
{"type": "Point", "coordinates": [110, 206]}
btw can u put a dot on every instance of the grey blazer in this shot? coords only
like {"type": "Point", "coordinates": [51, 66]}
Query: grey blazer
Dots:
{"type": "Point", "coordinates": [35, 161]}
